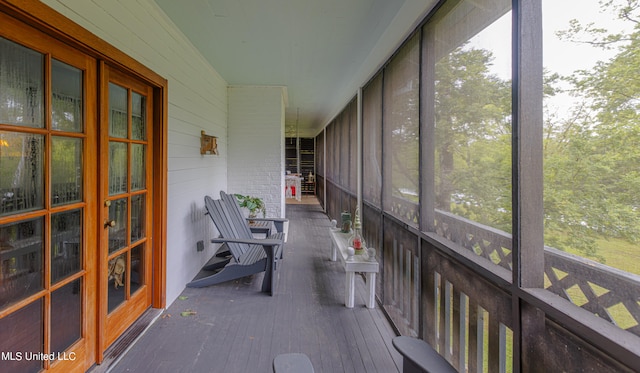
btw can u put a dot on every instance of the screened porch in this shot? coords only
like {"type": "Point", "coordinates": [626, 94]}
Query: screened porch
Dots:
{"type": "Point", "coordinates": [507, 238]}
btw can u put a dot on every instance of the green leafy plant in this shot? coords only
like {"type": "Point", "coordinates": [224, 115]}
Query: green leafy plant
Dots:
{"type": "Point", "coordinates": [253, 204]}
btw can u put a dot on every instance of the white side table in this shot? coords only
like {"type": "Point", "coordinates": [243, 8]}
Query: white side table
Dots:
{"type": "Point", "coordinates": [353, 264]}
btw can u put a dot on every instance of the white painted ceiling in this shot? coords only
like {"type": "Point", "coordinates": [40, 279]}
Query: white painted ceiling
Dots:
{"type": "Point", "coordinates": [313, 47]}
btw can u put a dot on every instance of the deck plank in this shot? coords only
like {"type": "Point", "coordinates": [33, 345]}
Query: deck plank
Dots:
{"type": "Point", "coordinates": [236, 328]}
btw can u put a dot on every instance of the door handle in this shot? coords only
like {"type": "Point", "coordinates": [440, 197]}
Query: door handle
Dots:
{"type": "Point", "coordinates": [109, 223]}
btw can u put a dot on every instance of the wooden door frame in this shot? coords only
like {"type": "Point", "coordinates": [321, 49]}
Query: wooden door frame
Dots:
{"type": "Point", "coordinates": [54, 24]}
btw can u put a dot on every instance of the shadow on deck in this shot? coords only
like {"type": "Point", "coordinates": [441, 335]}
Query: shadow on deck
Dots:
{"type": "Point", "coordinates": [233, 327]}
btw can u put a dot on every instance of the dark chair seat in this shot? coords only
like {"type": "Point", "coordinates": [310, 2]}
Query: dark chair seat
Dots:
{"type": "Point", "coordinates": [292, 363]}
{"type": "Point", "coordinates": [420, 357]}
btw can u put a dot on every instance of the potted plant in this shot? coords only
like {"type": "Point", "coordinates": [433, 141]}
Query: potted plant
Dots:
{"type": "Point", "coordinates": [253, 204]}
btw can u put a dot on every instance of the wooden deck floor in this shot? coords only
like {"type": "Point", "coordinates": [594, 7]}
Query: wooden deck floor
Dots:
{"type": "Point", "coordinates": [236, 328]}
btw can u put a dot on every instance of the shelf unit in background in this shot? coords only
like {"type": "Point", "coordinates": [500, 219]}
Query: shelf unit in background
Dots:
{"type": "Point", "coordinates": [307, 164]}
{"type": "Point", "coordinates": [291, 154]}
{"type": "Point", "coordinates": [300, 159]}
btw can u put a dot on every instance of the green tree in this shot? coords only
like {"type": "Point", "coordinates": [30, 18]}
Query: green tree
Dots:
{"type": "Point", "coordinates": [592, 181]}
{"type": "Point", "coordinates": [402, 126]}
{"type": "Point", "coordinates": [473, 137]}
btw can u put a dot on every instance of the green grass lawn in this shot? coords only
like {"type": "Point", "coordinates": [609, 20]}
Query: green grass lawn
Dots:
{"type": "Point", "coordinates": [617, 253]}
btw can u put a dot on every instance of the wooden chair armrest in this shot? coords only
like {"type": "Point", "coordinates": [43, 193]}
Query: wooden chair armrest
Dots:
{"type": "Point", "coordinates": [263, 242]}
{"type": "Point", "coordinates": [278, 222]}
{"type": "Point", "coordinates": [270, 219]}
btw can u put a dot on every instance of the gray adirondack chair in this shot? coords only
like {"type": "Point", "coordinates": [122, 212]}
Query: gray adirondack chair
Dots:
{"type": "Point", "coordinates": [243, 223]}
{"type": "Point", "coordinates": [248, 255]}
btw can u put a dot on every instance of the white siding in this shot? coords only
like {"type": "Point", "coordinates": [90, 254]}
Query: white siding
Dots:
{"type": "Point", "coordinates": [256, 144]}
{"type": "Point", "coordinates": [197, 101]}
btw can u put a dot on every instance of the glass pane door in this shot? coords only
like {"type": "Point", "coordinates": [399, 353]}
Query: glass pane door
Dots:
{"type": "Point", "coordinates": [127, 193]}
{"type": "Point", "coordinates": [127, 165]}
{"type": "Point", "coordinates": [43, 208]}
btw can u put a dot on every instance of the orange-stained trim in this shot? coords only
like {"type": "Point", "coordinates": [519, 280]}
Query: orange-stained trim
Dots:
{"type": "Point", "coordinates": [91, 237]}
{"type": "Point", "coordinates": [102, 155]}
{"type": "Point", "coordinates": [160, 141]}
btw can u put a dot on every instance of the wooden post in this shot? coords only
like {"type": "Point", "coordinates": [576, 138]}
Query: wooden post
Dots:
{"type": "Point", "coordinates": [528, 178]}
